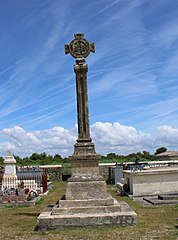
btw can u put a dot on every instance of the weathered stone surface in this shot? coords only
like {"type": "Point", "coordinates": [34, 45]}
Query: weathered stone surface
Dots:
{"type": "Point", "coordinates": [106, 170]}
{"type": "Point", "coordinates": [87, 202]}
{"type": "Point", "coordinates": [85, 148]}
{"type": "Point", "coordinates": [54, 171]}
{"type": "Point", "coordinates": [87, 209]}
{"type": "Point", "coordinates": [85, 162]}
{"type": "Point", "coordinates": [86, 190]}
{"type": "Point", "coordinates": [47, 221]}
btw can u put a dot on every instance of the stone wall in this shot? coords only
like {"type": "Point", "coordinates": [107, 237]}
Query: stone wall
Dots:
{"type": "Point", "coordinates": [54, 171]}
{"type": "Point", "coordinates": [105, 170]}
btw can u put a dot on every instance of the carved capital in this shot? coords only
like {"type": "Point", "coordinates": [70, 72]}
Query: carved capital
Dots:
{"type": "Point", "coordinates": [81, 68]}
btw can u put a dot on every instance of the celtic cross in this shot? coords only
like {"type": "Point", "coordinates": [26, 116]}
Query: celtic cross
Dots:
{"type": "Point", "coordinates": [79, 47]}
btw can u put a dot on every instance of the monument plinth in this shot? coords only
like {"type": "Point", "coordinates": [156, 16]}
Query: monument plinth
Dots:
{"type": "Point", "coordinates": [87, 202]}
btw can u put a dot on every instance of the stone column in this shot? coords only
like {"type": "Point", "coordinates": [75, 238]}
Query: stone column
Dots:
{"type": "Point", "coordinates": [85, 161]}
{"type": "Point", "coordinates": [81, 69]}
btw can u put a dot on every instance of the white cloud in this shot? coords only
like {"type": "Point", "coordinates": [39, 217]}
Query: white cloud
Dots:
{"type": "Point", "coordinates": [119, 138]}
{"type": "Point", "coordinates": [23, 142]}
{"type": "Point", "coordinates": [4, 146]}
{"type": "Point", "coordinates": [168, 35]}
{"type": "Point", "coordinates": [167, 136]}
{"type": "Point", "coordinates": [105, 8]}
{"type": "Point", "coordinates": [108, 137]}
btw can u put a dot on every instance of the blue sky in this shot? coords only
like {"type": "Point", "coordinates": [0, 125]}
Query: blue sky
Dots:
{"type": "Point", "coordinates": [132, 78]}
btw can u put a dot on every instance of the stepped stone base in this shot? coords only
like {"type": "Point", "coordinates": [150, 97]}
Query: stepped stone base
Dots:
{"type": "Point", "coordinates": [52, 218]}
{"type": "Point", "coordinates": [87, 202]}
{"type": "Point", "coordinates": [86, 207]}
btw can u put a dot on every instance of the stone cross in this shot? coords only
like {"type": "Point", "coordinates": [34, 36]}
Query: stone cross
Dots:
{"type": "Point", "coordinates": [80, 48]}
{"type": "Point", "coordinates": [87, 202]}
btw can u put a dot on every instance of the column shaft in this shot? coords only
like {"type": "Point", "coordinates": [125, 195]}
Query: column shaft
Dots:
{"type": "Point", "coordinates": [82, 102]}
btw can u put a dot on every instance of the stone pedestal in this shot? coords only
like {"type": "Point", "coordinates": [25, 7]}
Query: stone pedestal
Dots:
{"type": "Point", "coordinates": [87, 202]}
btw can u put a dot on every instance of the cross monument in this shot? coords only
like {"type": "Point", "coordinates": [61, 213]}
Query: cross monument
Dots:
{"type": "Point", "coordinates": [86, 202]}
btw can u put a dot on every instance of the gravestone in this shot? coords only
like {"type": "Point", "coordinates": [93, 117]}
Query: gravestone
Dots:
{"type": "Point", "coordinates": [87, 202]}
{"type": "Point", "coordinates": [10, 176]}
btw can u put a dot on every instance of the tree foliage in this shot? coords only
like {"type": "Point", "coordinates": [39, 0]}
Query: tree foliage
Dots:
{"type": "Point", "coordinates": [132, 157]}
{"type": "Point", "coordinates": [160, 150]}
{"type": "Point", "coordinates": [46, 159]}
{"type": "Point", "coordinates": [40, 159]}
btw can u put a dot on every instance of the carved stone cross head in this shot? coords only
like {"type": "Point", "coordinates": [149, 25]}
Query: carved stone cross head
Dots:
{"type": "Point", "coordinates": [79, 47]}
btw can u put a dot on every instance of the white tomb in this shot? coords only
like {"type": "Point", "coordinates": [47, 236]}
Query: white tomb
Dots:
{"type": "Point", "coordinates": [152, 181]}
{"type": "Point", "coordinates": [10, 179]}
{"type": "Point", "coordinates": [10, 176]}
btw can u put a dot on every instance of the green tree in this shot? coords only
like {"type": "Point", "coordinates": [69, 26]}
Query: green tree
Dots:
{"type": "Point", "coordinates": [27, 162]}
{"type": "Point", "coordinates": [57, 156]}
{"type": "Point", "coordinates": [18, 160]}
{"type": "Point", "coordinates": [35, 156]}
{"type": "Point", "coordinates": [111, 155]}
{"type": "Point", "coordinates": [160, 150]}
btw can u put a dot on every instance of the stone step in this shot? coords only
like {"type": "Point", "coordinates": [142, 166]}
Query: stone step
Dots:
{"type": "Point", "coordinates": [86, 210]}
{"type": "Point", "coordinates": [168, 196]}
{"type": "Point", "coordinates": [158, 202]}
{"type": "Point", "coordinates": [47, 221]}
{"type": "Point", "coordinates": [87, 202]}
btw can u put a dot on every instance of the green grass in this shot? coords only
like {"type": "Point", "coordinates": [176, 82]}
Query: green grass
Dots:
{"type": "Point", "coordinates": [153, 222]}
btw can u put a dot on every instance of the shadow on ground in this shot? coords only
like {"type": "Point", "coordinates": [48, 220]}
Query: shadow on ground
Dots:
{"type": "Point", "coordinates": [28, 214]}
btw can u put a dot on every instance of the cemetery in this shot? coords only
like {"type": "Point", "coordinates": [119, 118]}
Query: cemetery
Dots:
{"type": "Point", "coordinates": [22, 186]}
{"type": "Point", "coordinates": [85, 205]}
{"type": "Point", "coordinates": [21, 221]}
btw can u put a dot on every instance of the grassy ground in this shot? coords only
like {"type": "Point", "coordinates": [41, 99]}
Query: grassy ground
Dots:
{"type": "Point", "coordinates": [153, 222]}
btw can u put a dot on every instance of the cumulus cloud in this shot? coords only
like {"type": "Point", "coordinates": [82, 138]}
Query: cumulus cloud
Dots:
{"type": "Point", "coordinates": [167, 136]}
{"type": "Point", "coordinates": [119, 138]}
{"type": "Point", "coordinates": [23, 143]}
{"type": "Point", "coordinates": [108, 137]}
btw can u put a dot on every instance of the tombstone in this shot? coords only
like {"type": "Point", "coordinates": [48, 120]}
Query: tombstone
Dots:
{"type": "Point", "coordinates": [86, 202]}
{"type": "Point", "coordinates": [10, 176]}
{"type": "Point", "coordinates": [118, 173]}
